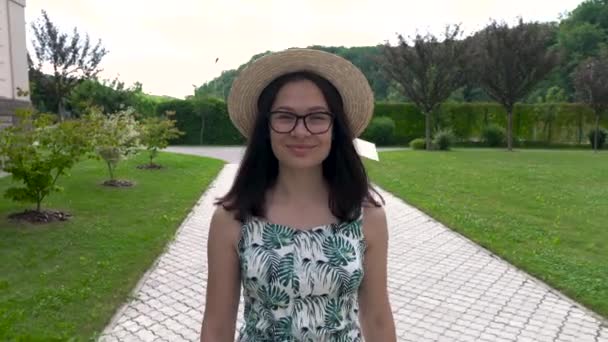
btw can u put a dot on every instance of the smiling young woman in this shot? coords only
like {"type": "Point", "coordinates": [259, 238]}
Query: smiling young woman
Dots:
{"type": "Point", "coordinates": [300, 231]}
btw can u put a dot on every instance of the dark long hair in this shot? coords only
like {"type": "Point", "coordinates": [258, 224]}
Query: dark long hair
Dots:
{"type": "Point", "coordinates": [343, 169]}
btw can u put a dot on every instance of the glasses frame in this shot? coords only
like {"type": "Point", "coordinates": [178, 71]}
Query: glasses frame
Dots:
{"type": "Point", "coordinates": [298, 118]}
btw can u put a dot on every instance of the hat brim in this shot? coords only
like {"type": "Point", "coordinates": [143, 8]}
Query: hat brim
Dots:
{"type": "Point", "coordinates": [353, 86]}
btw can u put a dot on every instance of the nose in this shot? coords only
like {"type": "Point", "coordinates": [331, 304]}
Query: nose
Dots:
{"type": "Point", "coordinates": [300, 129]}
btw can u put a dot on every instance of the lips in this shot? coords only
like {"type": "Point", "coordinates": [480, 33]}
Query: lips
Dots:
{"type": "Point", "coordinates": [300, 149]}
{"type": "Point", "coordinates": [300, 146]}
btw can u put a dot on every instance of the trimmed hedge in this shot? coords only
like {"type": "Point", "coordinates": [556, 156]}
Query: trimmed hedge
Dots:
{"type": "Point", "coordinates": [568, 126]}
{"type": "Point", "coordinates": [381, 131]}
{"type": "Point", "coordinates": [218, 129]}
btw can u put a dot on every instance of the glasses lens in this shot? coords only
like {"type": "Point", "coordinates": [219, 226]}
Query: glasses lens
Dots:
{"type": "Point", "coordinates": [282, 122]}
{"type": "Point", "coordinates": [318, 122]}
{"type": "Point", "coordinates": [285, 122]}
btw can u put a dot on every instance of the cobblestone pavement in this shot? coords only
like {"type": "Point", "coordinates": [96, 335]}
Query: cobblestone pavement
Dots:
{"type": "Point", "coordinates": [230, 154]}
{"type": "Point", "coordinates": [442, 287]}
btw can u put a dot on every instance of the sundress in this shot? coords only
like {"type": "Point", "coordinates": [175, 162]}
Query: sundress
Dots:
{"type": "Point", "coordinates": [301, 285]}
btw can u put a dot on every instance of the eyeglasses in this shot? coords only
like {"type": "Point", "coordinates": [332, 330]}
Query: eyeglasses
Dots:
{"type": "Point", "coordinates": [285, 122]}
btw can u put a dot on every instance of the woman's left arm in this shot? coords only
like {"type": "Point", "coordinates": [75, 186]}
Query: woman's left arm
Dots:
{"type": "Point", "coordinates": [374, 306]}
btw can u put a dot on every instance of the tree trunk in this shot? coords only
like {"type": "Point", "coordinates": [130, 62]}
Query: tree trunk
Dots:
{"type": "Point", "coordinates": [111, 171]}
{"type": "Point", "coordinates": [61, 110]}
{"type": "Point", "coordinates": [597, 132]}
{"type": "Point", "coordinates": [428, 130]}
{"type": "Point", "coordinates": [510, 129]}
{"type": "Point", "coordinates": [580, 128]}
{"type": "Point", "coordinates": [485, 117]}
{"type": "Point", "coordinates": [202, 128]}
{"type": "Point", "coordinates": [38, 201]}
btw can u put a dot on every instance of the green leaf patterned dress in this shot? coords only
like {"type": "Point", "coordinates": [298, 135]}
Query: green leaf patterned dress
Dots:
{"type": "Point", "coordinates": [301, 285]}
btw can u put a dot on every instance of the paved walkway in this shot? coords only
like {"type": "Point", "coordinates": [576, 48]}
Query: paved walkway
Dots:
{"type": "Point", "coordinates": [230, 154]}
{"type": "Point", "coordinates": [442, 288]}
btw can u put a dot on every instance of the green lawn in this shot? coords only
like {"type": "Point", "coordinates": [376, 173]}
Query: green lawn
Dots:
{"type": "Point", "coordinates": [544, 211]}
{"type": "Point", "coordinates": [66, 279]}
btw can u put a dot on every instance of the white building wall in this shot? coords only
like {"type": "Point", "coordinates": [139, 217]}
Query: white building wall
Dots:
{"type": "Point", "coordinates": [6, 80]}
{"type": "Point", "coordinates": [18, 48]}
{"type": "Point", "coordinates": [13, 51]}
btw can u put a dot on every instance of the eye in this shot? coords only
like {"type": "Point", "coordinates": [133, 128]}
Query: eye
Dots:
{"type": "Point", "coordinates": [283, 116]}
{"type": "Point", "coordinates": [319, 117]}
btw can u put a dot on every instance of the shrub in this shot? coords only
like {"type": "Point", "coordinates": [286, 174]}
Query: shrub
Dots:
{"type": "Point", "coordinates": [380, 131]}
{"type": "Point", "coordinates": [115, 136]}
{"type": "Point", "coordinates": [443, 139]}
{"type": "Point", "coordinates": [38, 150]}
{"type": "Point", "coordinates": [493, 135]}
{"type": "Point", "coordinates": [155, 133]}
{"type": "Point", "coordinates": [418, 144]}
{"type": "Point", "coordinates": [601, 139]}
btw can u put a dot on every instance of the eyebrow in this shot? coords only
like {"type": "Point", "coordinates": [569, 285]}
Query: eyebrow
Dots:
{"type": "Point", "coordinates": [309, 109]}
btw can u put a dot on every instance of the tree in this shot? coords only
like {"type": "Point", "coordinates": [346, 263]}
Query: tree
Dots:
{"type": "Point", "coordinates": [71, 58]}
{"type": "Point", "coordinates": [115, 137]}
{"type": "Point", "coordinates": [109, 96]}
{"type": "Point", "coordinates": [155, 133]}
{"type": "Point", "coordinates": [427, 71]}
{"type": "Point", "coordinates": [591, 84]}
{"type": "Point", "coordinates": [508, 62]}
{"type": "Point", "coordinates": [580, 35]}
{"type": "Point", "coordinates": [38, 151]}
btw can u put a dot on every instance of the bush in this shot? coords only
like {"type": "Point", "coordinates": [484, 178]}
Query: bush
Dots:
{"type": "Point", "coordinates": [418, 144]}
{"type": "Point", "coordinates": [443, 139]}
{"type": "Point", "coordinates": [38, 150]}
{"type": "Point", "coordinates": [493, 135]}
{"type": "Point", "coordinates": [115, 136]}
{"type": "Point", "coordinates": [380, 131]}
{"type": "Point", "coordinates": [155, 133]}
{"type": "Point", "coordinates": [601, 139]}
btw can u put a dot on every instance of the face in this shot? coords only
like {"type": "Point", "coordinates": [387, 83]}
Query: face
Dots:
{"type": "Point", "coordinates": [300, 148]}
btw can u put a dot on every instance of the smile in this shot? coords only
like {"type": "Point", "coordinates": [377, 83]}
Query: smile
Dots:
{"type": "Point", "coordinates": [300, 149]}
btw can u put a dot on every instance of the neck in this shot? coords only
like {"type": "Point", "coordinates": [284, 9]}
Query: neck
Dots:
{"type": "Point", "coordinates": [300, 186]}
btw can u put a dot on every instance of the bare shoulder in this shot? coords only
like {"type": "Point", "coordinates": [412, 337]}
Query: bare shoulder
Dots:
{"type": "Point", "coordinates": [224, 226]}
{"type": "Point", "coordinates": [222, 215]}
{"type": "Point", "coordinates": [373, 213]}
{"type": "Point", "coordinates": [374, 223]}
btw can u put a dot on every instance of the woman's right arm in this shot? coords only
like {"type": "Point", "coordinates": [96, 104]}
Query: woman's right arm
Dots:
{"type": "Point", "coordinates": [223, 280]}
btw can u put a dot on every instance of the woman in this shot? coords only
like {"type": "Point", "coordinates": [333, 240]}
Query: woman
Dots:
{"type": "Point", "coordinates": [299, 229]}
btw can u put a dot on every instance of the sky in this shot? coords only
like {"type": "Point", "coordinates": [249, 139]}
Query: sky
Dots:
{"type": "Point", "coordinates": [170, 46]}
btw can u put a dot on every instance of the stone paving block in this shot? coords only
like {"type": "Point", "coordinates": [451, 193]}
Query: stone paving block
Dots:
{"type": "Point", "coordinates": [442, 287]}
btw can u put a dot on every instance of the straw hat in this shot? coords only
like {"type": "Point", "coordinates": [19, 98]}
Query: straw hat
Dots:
{"type": "Point", "coordinates": [357, 96]}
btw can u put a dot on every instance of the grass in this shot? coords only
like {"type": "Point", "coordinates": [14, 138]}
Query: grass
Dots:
{"type": "Point", "coordinates": [65, 280]}
{"type": "Point", "coordinates": [544, 211]}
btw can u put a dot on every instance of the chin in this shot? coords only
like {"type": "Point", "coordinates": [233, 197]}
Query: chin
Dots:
{"type": "Point", "coordinates": [300, 164]}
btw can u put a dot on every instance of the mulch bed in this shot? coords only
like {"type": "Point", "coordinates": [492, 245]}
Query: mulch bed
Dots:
{"type": "Point", "coordinates": [118, 183]}
{"type": "Point", "coordinates": [150, 166]}
{"type": "Point", "coordinates": [40, 217]}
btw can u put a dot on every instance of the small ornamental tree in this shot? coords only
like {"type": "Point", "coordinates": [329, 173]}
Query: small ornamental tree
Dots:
{"type": "Point", "coordinates": [507, 62]}
{"type": "Point", "coordinates": [155, 134]}
{"type": "Point", "coordinates": [591, 83]}
{"type": "Point", "coordinates": [427, 70]}
{"type": "Point", "coordinates": [115, 138]}
{"type": "Point", "coordinates": [37, 151]}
